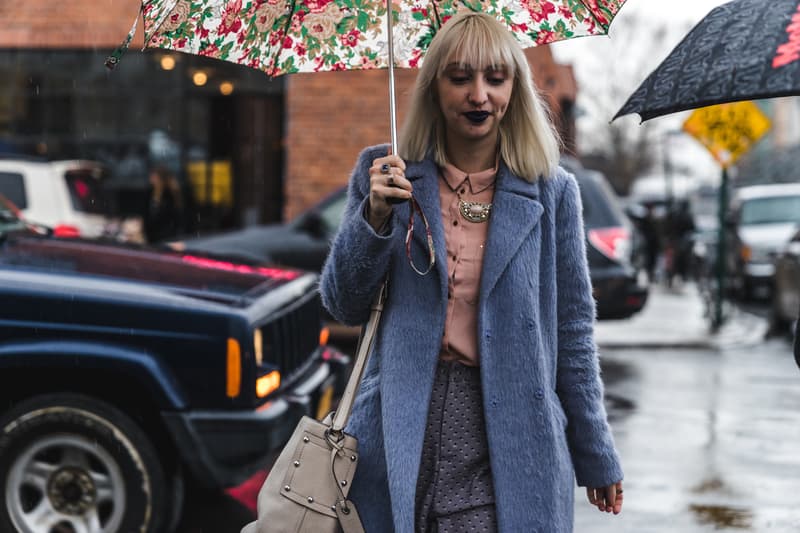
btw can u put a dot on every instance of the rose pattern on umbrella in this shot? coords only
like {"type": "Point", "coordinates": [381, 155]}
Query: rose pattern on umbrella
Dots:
{"type": "Point", "coordinates": [288, 36]}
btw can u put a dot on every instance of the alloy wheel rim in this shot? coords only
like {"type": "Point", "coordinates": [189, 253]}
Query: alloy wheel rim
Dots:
{"type": "Point", "coordinates": [64, 482]}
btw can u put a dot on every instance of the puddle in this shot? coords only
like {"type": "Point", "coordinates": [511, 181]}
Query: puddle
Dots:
{"type": "Point", "coordinates": [714, 484]}
{"type": "Point", "coordinates": [723, 517]}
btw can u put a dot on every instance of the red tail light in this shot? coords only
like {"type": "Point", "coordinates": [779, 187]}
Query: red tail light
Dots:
{"type": "Point", "coordinates": [614, 243]}
{"type": "Point", "coordinates": [66, 231]}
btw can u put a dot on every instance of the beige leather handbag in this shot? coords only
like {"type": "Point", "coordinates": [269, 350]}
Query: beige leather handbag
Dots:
{"type": "Point", "coordinates": [306, 490]}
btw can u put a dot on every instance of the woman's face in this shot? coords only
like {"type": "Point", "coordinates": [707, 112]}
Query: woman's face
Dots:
{"type": "Point", "coordinates": [473, 102]}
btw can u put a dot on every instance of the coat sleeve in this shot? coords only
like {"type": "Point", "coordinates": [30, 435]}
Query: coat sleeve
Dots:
{"type": "Point", "coordinates": [578, 381]}
{"type": "Point", "coordinates": [359, 257]}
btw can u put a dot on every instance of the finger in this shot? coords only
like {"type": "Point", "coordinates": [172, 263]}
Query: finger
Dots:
{"type": "Point", "coordinates": [392, 160]}
{"type": "Point", "coordinates": [390, 191]}
{"type": "Point", "coordinates": [620, 497]}
{"type": "Point", "coordinates": [591, 496]}
{"type": "Point", "coordinates": [610, 494]}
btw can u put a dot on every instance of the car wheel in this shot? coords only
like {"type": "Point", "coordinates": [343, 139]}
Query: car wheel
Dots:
{"type": "Point", "coordinates": [73, 463]}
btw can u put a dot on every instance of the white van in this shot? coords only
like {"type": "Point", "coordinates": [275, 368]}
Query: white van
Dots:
{"type": "Point", "coordinates": [62, 195]}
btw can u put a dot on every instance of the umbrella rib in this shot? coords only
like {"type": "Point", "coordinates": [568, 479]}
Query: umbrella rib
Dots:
{"type": "Point", "coordinates": [436, 14]}
{"type": "Point", "coordinates": [286, 27]}
{"type": "Point", "coordinates": [596, 20]}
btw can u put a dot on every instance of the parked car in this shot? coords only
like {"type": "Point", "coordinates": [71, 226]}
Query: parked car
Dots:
{"type": "Point", "coordinates": [786, 297]}
{"type": "Point", "coordinates": [66, 196]}
{"type": "Point", "coordinates": [614, 248]}
{"type": "Point", "coordinates": [125, 369]}
{"type": "Point", "coordinates": [762, 220]}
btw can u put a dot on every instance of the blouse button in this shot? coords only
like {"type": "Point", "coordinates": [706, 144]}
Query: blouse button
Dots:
{"type": "Point", "coordinates": [455, 222]}
{"type": "Point", "coordinates": [463, 191]}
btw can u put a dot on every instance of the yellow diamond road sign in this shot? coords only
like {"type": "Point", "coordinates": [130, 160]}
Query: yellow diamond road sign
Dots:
{"type": "Point", "coordinates": [727, 130]}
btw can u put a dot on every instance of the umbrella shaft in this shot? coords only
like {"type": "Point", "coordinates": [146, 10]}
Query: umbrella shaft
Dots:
{"type": "Point", "coordinates": [392, 103]}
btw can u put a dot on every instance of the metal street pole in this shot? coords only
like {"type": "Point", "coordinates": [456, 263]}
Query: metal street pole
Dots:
{"type": "Point", "coordinates": [722, 215]}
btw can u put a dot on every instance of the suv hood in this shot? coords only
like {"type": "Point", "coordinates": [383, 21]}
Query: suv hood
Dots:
{"type": "Point", "coordinates": [770, 237]}
{"type": "Point", "coordinates": [201, 277]}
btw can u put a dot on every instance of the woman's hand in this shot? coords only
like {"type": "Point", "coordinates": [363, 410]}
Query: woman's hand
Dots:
{"type": "Point", "coordinates": [608, 498]}
{"type": "Point", "coordinates": [387, 179]}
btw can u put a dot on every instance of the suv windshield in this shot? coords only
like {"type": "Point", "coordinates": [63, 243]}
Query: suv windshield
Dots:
{"type": "Point", "coordinates": [775, 210]}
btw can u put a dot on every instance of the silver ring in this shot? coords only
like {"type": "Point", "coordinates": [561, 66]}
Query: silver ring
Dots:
{"type": "Point", "coordinates": [385, 168]}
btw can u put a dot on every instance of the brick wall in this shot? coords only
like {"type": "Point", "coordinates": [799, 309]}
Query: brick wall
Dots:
{"type": "Point", "coordinates": [69, 24]}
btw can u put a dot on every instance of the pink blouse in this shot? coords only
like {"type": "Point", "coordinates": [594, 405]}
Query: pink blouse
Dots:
{"type": "Point", "coordinates": [465, 246]}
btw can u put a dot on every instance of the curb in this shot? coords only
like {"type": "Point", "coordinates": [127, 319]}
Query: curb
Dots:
{"type": "Point", "coordinates": [741, 330]}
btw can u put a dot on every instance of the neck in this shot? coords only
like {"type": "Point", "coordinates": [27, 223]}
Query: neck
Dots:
{"type": "Point", "coordinates": [474, 156]}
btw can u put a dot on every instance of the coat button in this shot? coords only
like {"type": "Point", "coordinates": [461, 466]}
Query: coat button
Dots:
{"type": "Point", "coordinates": [539, 394]}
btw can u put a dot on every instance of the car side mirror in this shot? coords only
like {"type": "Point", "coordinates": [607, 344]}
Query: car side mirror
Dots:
{"type": "Point", "coordinates": [313, 224]}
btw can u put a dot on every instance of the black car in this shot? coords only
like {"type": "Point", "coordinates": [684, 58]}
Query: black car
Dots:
{"type": "Point", "coordinates": [614, 253]}
{"type": "Point", "coordinates": [615, 249]}
{"type": "Point", "coordinates": [126, 372]}
{"type": "Point", "coordinates": [786, 296]}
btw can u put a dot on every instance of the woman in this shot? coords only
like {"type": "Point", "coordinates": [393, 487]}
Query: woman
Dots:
{"type": "Point", "coordinates": [506, 334]}
{"type": "Point", "coordinates": [163, 218]}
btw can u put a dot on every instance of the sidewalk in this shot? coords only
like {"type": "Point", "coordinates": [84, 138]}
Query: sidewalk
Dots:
{"type": "Point", "coordinates": [673, 318]}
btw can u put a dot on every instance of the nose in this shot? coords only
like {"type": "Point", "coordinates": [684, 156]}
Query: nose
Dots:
{"type": "Point", "coordinates": [478, 92]}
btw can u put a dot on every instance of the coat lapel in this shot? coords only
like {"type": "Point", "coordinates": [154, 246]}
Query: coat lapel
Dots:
{"type": "Point", "coordinates": [515, 213]}
{"type": "Point", "coordinates": [424, 176]}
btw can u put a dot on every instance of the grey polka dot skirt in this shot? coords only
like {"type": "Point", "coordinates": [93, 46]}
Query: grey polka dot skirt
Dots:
{"type": "Point", "coordinates": [454, 487]}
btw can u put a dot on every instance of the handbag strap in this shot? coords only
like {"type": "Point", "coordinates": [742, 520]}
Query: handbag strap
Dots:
{"type": "Point", "coordinates": [362, 354]}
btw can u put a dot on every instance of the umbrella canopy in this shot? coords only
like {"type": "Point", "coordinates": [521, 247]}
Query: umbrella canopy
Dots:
{"type": "Point", "coordinates": [287, 36]}
{"type": "Point", "coordinates": [742, 50]}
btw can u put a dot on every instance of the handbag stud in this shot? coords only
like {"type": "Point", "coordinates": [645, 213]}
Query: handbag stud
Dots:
{"type": "Point", "coordinates": [310, 499]}
{"type": "Point", "coordinates": [296, 464]}
{"type": "Point", "coordinates": [287, 488]}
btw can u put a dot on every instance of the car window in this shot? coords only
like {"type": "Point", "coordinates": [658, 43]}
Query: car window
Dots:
{"type": "Point", "coordinates": [599, 205]}
{"type": "Point", "coordinates": [332, 213]}
{"type": "Point", "coordinates": [85, 192]}
{"type": "Point", "coordinates": [12, 186]}
{"type": "Point", "coordinates": [774, 210]}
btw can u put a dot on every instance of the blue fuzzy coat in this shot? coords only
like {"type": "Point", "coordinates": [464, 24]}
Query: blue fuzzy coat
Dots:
{"type": "Point", "coordinates": [542, 393]}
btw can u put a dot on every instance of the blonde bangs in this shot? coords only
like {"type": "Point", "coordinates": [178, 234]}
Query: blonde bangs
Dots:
{"type": "Point", "coordinates": [478, 45]}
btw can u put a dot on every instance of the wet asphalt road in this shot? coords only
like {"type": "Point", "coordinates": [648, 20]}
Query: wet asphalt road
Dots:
{"type": "Point", "coordinates": [710, 441]}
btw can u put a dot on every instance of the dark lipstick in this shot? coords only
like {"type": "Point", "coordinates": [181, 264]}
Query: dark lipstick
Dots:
{"type": "Point", "coordinates": [477, 117]}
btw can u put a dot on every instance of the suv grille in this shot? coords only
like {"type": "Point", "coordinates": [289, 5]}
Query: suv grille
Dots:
{"type": "Point", "coordinates": [291, 336]}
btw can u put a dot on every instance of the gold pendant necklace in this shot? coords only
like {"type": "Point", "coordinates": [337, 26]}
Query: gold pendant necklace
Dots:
{"type": "Point", "coordinates": [474, 211]}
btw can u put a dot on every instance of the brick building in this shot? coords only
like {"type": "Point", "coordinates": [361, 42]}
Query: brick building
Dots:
{"type": "Point", "coordinates": [264, 149]}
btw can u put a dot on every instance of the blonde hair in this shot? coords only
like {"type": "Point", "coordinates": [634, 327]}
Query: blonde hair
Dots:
{"type": "Point", "coordinates": [529, 144]}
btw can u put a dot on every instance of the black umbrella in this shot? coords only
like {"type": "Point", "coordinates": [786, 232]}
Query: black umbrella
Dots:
{"type": "Point", "coordinates": [742, 50]}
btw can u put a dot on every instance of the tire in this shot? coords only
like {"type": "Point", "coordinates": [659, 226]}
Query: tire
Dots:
{"type": "Point", "coordinates": [71, 460]}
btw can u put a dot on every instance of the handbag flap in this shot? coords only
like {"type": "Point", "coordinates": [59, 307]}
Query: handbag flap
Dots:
{"type": "Point", "coordinates": [308, 480]}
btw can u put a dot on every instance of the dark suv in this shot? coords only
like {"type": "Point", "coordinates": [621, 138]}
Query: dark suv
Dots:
{"type": "Point", "coordinates": [124, 369]}
{"type": "Point", "coordinates": [614, 251]}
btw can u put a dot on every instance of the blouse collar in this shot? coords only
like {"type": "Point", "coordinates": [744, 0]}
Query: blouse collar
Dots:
{"type": "Point", "coordinates": [477, 181]}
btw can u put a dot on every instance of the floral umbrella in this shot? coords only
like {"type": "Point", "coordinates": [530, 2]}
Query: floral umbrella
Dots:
{"type": "Point", "coordinates": [288, 36]}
